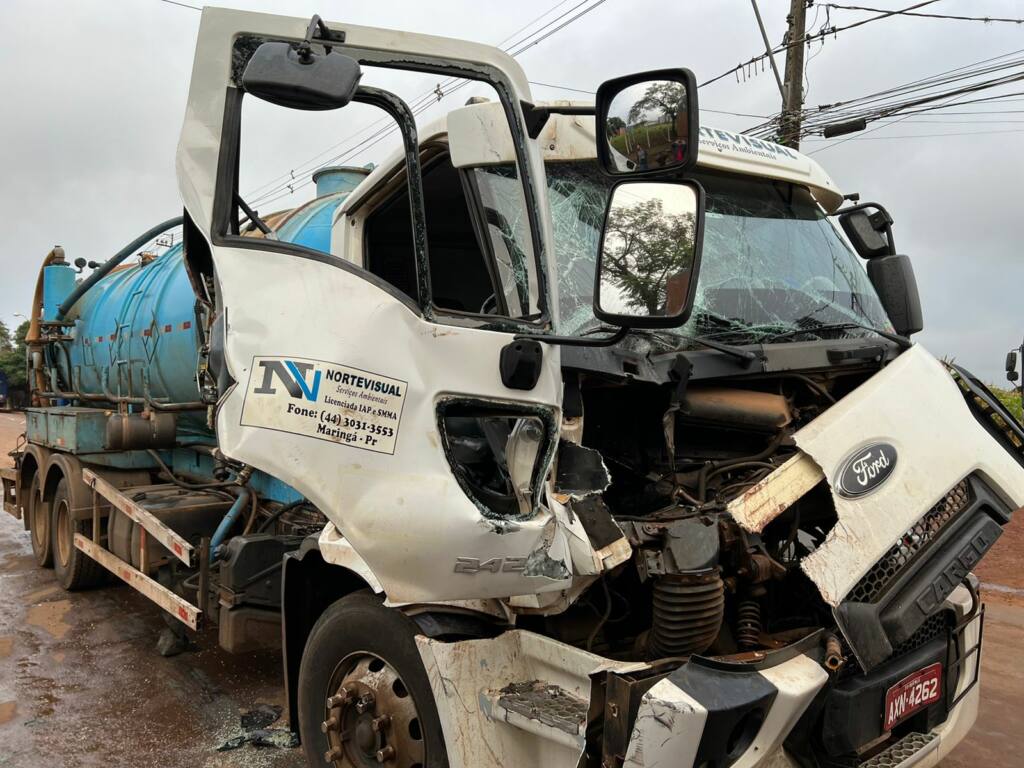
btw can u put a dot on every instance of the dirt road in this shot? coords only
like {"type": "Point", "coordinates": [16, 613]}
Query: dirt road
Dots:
{"type": "Point", "coordinates": [82, 685]}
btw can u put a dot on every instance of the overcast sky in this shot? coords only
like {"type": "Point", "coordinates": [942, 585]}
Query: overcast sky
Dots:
{"type": "Point", "coordinates": [95, 93]}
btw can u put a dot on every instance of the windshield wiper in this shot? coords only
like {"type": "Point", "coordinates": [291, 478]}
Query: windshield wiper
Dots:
{"type": "Point", "coordinates": [740, 354]}
{"type": "Point", "coordinates": [903, 341]}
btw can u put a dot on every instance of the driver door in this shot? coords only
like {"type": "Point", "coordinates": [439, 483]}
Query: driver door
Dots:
{"type": "Point", "coordinates": [384, 410]}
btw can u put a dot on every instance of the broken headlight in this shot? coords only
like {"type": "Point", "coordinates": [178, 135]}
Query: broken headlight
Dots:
{"type": "Point", "coordinates": [499, 453]}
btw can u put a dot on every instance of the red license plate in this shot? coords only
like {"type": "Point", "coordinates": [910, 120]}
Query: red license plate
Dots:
{"type": "Point", "coordinates": [912, 694]}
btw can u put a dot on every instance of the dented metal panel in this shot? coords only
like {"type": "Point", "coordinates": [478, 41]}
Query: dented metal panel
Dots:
{"type": "Point", "coordinates": [668, 728]}
{"type": "Point", "coordinates": [768, 499]}
{"type": "Point", "coordinates": [914, 405]}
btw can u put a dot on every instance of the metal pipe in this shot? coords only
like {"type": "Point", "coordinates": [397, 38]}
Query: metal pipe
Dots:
{"type": "Point", "coordinates": [77, 381]}
{"type": "Point", "coordinates": [228, 522]}
{"type": "Point", "coordinates": [104, 269]}
{"type": "Point", "coordinates": [152, 403]}
{"type": "Point", "coordinates": [112, 398]}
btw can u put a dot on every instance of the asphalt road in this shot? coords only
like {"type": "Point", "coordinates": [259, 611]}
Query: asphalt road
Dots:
{"type": "Point", "coordinates": [81, 683]}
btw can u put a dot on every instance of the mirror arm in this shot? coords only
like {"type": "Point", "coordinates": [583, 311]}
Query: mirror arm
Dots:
{"type": "Point", "coordinates": [317, 24]}
{"type": "Point", "coordinates": [881, 211]}
{"type": "Point", "coordinates": [255, 219]}
{"type": "Point", "coordinates": [537, 117]}
{"type": "Point", "coordinates": [577, 341]}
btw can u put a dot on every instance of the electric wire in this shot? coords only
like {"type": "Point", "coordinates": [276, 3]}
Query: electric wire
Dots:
{"type": "Point", "coordinates": [986, 19]}
{"type": "Point", "coordinates": [272, 192]}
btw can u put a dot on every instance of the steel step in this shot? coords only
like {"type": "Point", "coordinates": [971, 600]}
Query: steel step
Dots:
{"type": "Point", "coordinates": [540, 708]}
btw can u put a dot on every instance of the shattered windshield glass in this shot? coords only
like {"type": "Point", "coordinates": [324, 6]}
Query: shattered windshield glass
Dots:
{"type": "Point", "coordinates": [772, 262]}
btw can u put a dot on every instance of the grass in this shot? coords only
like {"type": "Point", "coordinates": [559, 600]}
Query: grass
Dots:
{"type": "Point", "coordinates": [1009, 398]}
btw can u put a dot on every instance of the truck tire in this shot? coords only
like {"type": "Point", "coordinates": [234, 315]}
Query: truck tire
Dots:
{"type": "Point", "coordinates": [361, 664]}
{"type": "Point", "coordinates": [38, 513]}
{"type": "Point", "coordinates": [72, 567]}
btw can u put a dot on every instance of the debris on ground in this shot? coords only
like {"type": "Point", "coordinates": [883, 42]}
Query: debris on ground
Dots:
{"type": "Point", "coordinates": [255, 730]}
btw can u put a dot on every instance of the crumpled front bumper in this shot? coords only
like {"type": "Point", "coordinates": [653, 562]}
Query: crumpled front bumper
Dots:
{"type": "Point", "coordinates": [731, 715]}
{"type": "Point", "coordinates": [739, 719]}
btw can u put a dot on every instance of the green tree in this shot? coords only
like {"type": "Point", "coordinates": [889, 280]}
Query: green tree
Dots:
{"type": "Point", "coordinates": [6, 342]}
{"type": "Point", "coordinates": [663, 96]}
{"type": "Point", "coordinates": [614, 125]}
{"type": "Point", "coordinates": [12, 354]}
{"type": "Point", "coordinates": [644, 247]}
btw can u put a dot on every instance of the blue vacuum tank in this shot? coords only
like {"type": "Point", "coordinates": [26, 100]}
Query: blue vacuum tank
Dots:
{"type": "Point", "coordinates": [136, 331]}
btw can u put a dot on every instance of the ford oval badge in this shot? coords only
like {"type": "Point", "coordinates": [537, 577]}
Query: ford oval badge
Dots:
{"type": "Point", "coordinates": [865, 470]}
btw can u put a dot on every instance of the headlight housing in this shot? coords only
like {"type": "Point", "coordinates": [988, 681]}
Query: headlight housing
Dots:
{"type": "Point", "coordinates": [499, 453]}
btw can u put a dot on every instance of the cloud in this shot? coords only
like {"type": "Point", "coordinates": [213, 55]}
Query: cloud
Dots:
{"type": "Point", "coordinates": [95, 93]}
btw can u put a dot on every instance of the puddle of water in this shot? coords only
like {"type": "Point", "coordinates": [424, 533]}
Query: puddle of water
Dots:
{"type": "Point", "coordinates": [50, 617]}
{"type": "Point", "coordinates": [39, 594]}
{"type": "Point", "coordinates": [7, 710]}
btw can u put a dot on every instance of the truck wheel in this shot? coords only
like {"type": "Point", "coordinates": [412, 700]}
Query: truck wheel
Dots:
{"type": "Point", "coordinates": [364, 696]}
{"type": "Point", "coordinates": [38, 513]}
{"type": "Point", "coordinates": [73, 568]}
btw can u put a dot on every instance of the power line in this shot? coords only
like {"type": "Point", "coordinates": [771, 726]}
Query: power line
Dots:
{"type": "Point", "coordinates": [944, 89]}
{"type": "Point", "coordinates": [591, 93]}
{"type": "Point", "coordinates": [920, 136]}
{"type": "Point", "coordinates": [425, 101]}
{"type": "Point", "coordinates": [808, 38]}
{"type": "Point", "coordinates": [986, 19]}
{"type": "Point", "coordinates": [182, 5]}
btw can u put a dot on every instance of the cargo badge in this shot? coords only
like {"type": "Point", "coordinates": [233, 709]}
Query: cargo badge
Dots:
{"type": "Point", "coordinates": [865, 470]}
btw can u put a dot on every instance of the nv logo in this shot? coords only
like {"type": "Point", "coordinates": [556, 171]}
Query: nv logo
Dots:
{"type": "Point", "coordinates": [292, 375]}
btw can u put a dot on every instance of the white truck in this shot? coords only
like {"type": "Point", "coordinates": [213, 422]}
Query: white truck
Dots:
{"type": "Point", "coordinates": [582, 438]}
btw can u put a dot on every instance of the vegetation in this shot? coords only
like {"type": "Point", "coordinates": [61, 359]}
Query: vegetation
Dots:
{"type": "Point", "coordinates": [12, 353]}
{"type": "Point", "coordinates": [1010, 398]}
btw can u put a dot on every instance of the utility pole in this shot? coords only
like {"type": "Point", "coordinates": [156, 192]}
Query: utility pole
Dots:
{"type": "Point", "coordinates": [793, 97]}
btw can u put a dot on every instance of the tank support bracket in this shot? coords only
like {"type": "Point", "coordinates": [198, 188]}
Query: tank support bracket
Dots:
{"type": "Point", "coordinates": [149, 523]}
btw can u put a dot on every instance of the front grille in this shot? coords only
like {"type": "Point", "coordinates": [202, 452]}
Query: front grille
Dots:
{"type": "Point", "coordinates": [902, 750]}
{"type": "Point", "coordinates": [936, 625]}
{"type": "Point", "coordinates": [882, 573]}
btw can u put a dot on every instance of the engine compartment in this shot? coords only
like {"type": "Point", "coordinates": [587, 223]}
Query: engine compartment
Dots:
{"type": "Point", "coordinates": [675, 455]}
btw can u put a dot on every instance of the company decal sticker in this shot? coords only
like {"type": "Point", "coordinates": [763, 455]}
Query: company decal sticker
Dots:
{"type": "Point", "coordinates": [865, 469]}
{"type": "Point", "coordinates": [327, 401]}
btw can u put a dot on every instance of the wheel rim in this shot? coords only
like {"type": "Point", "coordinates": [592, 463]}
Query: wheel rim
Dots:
{"type": "Point", "coordinates": [370, 718]}
{"type": "Point", "coordinates": [40, 521]}
{"type": "Point", "coordinates": [63, 532]}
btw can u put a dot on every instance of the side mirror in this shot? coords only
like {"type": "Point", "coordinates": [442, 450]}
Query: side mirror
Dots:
{"type": "Point", "coordinates": [648, 123]}
{"type": "Point", "coordinates": [297, 77]}
{"type": "Point", "coordinates": [896, 286]}
{"type": "Point", "coordinates": [650, 254]}
{"type": "Point", "coordinates": [1011, 366]}
{"type": "Point", "coordinates": [869, 228]}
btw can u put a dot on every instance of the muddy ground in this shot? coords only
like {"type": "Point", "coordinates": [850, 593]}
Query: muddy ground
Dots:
{"type": "Point", "coordinates": [82, 685]}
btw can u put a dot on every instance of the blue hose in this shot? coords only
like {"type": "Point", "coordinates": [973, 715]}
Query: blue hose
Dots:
{"type": "Point", "coordinates": [229, 520]}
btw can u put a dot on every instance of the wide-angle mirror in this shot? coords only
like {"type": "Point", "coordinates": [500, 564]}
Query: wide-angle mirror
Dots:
{"type": "Point", "coordinates": [298, 77]}
{"type": "Point", "coordinates": [648, 123]}
{"type": "Point", "coordinates": [650, 254]}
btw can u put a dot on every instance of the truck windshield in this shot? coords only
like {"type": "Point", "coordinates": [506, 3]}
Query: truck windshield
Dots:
{"type": "Point", "coordinates": [772, 261]}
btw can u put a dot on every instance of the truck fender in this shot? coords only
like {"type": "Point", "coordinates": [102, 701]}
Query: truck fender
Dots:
{"type": "Point", "coordinates": [309, 584]}
{"type": "Point", "coordinates": [33, 460]}
{"type": "Point", "coordinates": [336, 550]}
{"type": "Point", "coordinates": [63, 465]}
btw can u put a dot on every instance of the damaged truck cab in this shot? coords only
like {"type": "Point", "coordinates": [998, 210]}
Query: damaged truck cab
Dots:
{"type": "Point", "coordinates": [570, 435]}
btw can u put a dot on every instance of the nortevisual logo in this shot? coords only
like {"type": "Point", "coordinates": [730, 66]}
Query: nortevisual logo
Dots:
{"type": "Point", "coordinates": [865, 470]}
{"type": "Point", "coordinates": [292, 375]}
